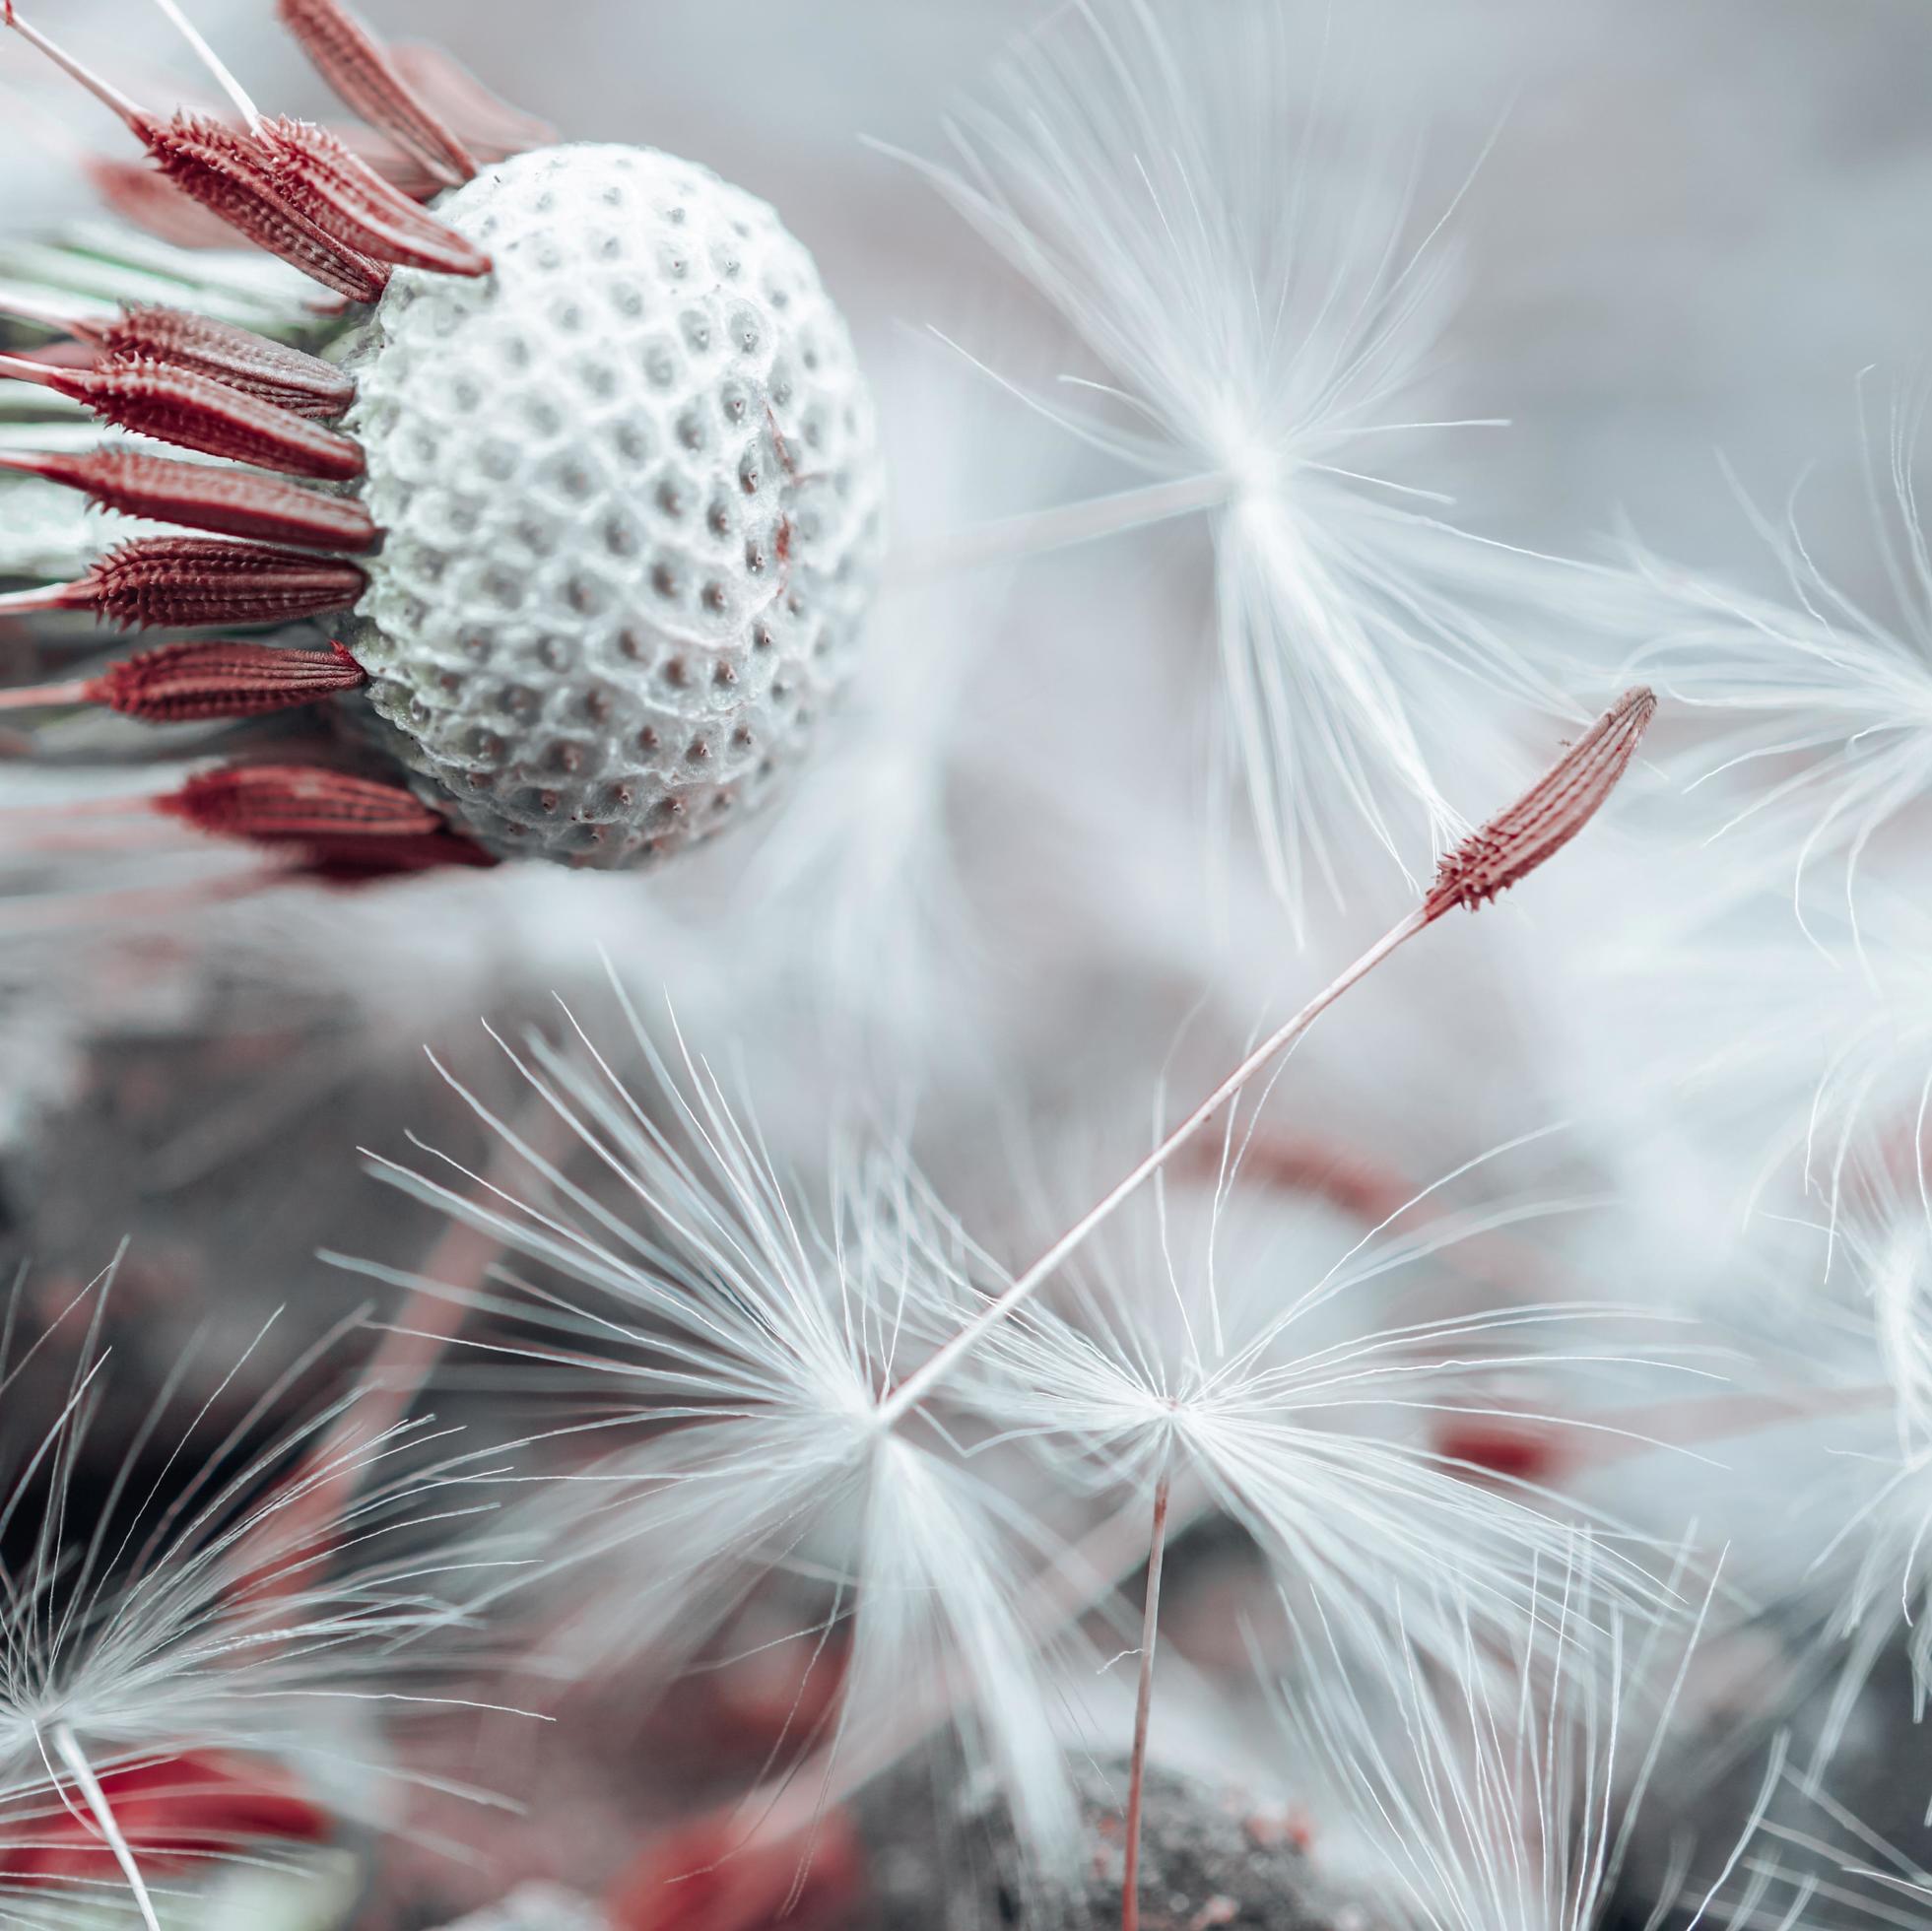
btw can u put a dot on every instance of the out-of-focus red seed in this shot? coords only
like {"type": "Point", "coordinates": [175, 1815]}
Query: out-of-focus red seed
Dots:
{"type": "Point", "coordinates": [296, 804]}
{"type": "Point", "coordinates": [490, 127]}
{"type": "Point", "coordinates": [369, 82]}
{"type": "Point", "coordinates": [172, 1812]}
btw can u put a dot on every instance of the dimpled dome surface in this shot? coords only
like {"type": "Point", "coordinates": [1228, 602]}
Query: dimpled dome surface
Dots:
{"type": "Point", "coordinates": [632, 490]}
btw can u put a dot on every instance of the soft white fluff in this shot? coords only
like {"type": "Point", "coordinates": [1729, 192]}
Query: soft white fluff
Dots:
{"type": "Point", "coordinates": [1260, 300]}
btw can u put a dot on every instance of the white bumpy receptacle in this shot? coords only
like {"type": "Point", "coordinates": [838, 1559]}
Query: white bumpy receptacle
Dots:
{"type": "Point", "coordinates": [633, 495]}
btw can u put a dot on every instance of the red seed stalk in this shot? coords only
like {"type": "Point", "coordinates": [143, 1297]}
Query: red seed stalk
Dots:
{"type": "Point", "coordinates": [369, 82]}
{"type": "Point", "coordinates": [270, 372]}
{"type": "Point", "coordinates": [207, 496]}
{"type": "Point", "coordinates": [195, 412]}
{"type": "Point", "coordinates": [297, 190]}
{"type": "Point", "coordinates": [187, 583]}
{"type": "Point", "coordinates": [195, 683]}
{"type": "Point", "coordinates": [339, 829]}
{"type": "Point", "coordinates": [224, 170]}
{"type": "Point", "coordinates": [228, 174]}
{"type": "Point", "coordinates": [352, 201]}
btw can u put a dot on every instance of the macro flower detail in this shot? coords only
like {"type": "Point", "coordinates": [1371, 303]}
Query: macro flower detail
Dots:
{"type": "Point", "coordinates": [593, 430]}
{"type": "Point", "coordinates": [1551, 813]}
{"type": "Point", "coordinates": [927, 1379]}
{"type": "Point", "coordinates": [633, 495]}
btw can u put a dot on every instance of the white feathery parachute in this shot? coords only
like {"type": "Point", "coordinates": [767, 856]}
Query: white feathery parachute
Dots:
{"type": "Point", "coordinates": [748, 1344]}
{"type": "Point", "coordinates": [1826, 743]}
{"type": "Point", "coordinates": [1493, 1788]}
{"type": "Point", "coordinates": [1263, 312]}
{"type": "Point", "coordinates": [264, 1593]}
{"type": "Point", "coordinates": [1284, 1373]}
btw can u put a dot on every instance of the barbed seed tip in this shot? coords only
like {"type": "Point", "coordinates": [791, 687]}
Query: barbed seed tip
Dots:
{"type": "Point", "coordinates": [1551, 813]}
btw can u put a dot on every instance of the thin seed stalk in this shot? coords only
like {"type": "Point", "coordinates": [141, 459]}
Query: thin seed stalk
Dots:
{"type": "Point", "coordinates": [49, 696]}
{"type": "Point", "coordinates": [67, 1747]}
{"type": "Point", "coordinates": [1130, 1879]}
{"type": "Point", "coordinates": [921, 1383]}
{"type": "Point", "coordinates": [1524, 835]}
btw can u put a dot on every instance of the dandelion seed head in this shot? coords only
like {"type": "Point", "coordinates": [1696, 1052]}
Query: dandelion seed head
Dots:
{"type": "Point", "coordinates": [633, 491]}
{"type": "Point", "coordinates": [607, 465]}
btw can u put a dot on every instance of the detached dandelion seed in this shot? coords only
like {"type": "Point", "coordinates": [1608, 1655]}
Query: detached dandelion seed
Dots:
{"type": "Point", "coordinates": [1488, 861]}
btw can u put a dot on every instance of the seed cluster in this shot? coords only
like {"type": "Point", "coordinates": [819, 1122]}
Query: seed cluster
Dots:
{"type": "Point", "coordinates": [595, 424]}
{"type": "Point", "coordinates": [631, 491]}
